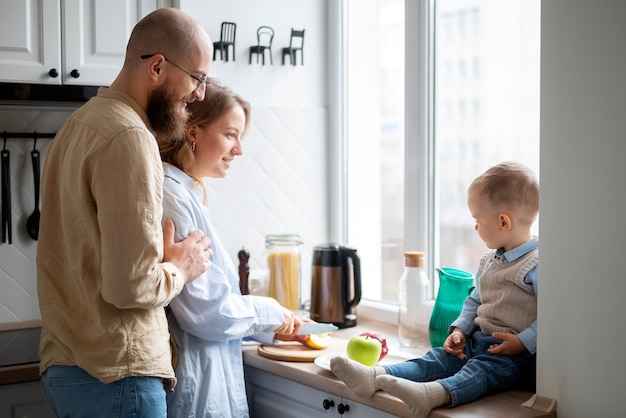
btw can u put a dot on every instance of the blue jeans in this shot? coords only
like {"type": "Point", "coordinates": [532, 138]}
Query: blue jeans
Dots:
{"type": "Point", "coordinates": [480, 373]}
{"type": "Point", "coordinates": [72, 392]}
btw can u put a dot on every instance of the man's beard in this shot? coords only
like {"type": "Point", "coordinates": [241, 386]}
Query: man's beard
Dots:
{"type": "Point", "coordinates": [167, 120]}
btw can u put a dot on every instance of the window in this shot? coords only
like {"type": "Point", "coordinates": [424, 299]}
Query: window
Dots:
{"type": "Point", "coordinates": [432, 93]}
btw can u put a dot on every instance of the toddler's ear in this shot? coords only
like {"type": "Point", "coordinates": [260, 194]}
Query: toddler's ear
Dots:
{"type": "Point", "coordinates": [505, 221]}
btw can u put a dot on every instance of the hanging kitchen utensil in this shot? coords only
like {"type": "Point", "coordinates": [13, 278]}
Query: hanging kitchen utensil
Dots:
{"type": "Point", "coordinates": [32, 223]}
{"type": "Point", "coordinates": [6, 194]}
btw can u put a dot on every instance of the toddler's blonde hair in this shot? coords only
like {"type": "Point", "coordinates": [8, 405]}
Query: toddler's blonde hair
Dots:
{"type": "Point", "coordinates": [512, 187]}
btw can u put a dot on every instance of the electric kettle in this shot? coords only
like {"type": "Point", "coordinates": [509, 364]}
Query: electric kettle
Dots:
{"type": "Point", "coordinates": [335, 284]}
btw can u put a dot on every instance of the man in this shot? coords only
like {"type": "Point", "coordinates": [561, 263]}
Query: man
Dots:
{"type": "Point", "coordinates": [105, 268]}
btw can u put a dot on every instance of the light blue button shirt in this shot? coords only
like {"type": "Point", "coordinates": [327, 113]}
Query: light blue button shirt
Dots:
{"type": "Point", "coordinates": [210, 317]}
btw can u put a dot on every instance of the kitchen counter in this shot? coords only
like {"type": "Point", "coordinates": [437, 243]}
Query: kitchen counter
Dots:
{"type": "Point", "coordinates": [498, 405]}
{"type": "Point", "coordinates": [21, 364]}
{"type": "Point", "coordinates": [309, 374]}
{"type": "Point", "coordinates": [313, 376]}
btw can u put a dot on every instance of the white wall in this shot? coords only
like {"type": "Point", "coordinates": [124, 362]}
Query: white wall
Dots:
{"type": "Point", "coordinates": [270, 84]}
{"type": "Point", "coordinates": [280, 184]}
{"type": "Point", "coordinates": [581, 340]}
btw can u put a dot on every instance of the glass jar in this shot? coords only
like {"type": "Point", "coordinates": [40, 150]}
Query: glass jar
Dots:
{"type": "Point", "coordinates": [283, 263]}
{"type": "Point", "coordinates": [413, 295]}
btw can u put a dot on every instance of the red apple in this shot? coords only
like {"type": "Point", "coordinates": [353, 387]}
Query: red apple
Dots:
{"type": "Point", "coordinates": [382, 340]}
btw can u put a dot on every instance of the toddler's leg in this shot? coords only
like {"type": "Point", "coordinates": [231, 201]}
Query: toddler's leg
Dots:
{"type": "Point", "coordinates": [361, 379]}
{"type": "Point", "coordinates": [420, 397]}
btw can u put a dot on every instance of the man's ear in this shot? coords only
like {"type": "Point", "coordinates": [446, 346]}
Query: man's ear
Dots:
{"type": "Point", "coordinates": [155, 66]}
{"type": "Point", "coordinates": [505, 221]}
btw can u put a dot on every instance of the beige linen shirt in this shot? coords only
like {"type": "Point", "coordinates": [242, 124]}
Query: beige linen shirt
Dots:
{"type": "Point", "coordinates": [101, 280]}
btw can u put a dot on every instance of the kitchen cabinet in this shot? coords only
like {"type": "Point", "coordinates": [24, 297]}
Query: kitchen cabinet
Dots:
{"type": "Point", "coordinates": [24, 400]}
{"type": "Point", "coordinates": [272, 396]}
{"type": "Point", "coordinates": [76, 42]}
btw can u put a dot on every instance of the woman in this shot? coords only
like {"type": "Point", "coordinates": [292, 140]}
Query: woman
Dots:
{"type": "Point", "coordinates": [210, 317]}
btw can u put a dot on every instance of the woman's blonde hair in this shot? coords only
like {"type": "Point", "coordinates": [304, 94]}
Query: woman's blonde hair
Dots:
{"type": "Point", "coordinates": [510, 186]}
{"type": "Point", "coordinates": [218, 100]}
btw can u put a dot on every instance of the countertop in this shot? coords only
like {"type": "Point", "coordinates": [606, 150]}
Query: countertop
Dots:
{"type": "Point", "coordinates": [497, 405]}
{"type": "Point", "coordinates": [20, 373]}
{"type": "Point", "coordinates": [311, 375]}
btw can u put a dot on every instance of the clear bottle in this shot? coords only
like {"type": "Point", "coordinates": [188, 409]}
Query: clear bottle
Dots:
{"type": "Point", "coordinates": [283, 263]}
{"type": "Point", "coordinates": [413, 296]}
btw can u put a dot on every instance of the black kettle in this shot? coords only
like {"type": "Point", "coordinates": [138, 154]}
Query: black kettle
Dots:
{"type": "Point", "coordinates": [335, 284]}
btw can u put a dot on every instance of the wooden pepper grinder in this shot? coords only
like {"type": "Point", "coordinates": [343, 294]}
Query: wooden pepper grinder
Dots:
{"type": "Point", "coordinates": [244, 271]}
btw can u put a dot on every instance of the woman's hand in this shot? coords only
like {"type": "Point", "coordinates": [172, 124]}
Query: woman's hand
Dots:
{"type": "Point", "coordinates": [287, 332]}
{"type": "Point", "coordinates": [291, 323]}
{"type": "Point", "coordinates": [455, 344]}
{"type": "Point", "coordinates": [511, 345]}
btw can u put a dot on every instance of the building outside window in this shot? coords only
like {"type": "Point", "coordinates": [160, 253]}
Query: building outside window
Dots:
{"type": "Point", "coordinates": [436, 92]}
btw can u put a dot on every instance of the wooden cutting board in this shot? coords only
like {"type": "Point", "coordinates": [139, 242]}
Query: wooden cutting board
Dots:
{"type": "Point", "coordinates": [294, 351]}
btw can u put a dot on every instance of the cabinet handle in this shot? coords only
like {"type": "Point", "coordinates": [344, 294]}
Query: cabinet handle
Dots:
{"type": "Point", "coordinates": [341, 408]}
{"type": "Point", "coordinates": [327, 404]}
{"type": "Point", "coordinates": [75, 73]}
{"type": "Point", "coordinates": [53, 73]}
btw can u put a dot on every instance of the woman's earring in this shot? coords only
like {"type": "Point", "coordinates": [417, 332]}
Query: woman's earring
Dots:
{"type": "Point", "coordinates": [193, 147]}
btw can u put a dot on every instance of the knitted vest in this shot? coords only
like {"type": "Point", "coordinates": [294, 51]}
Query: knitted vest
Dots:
{"type": "Point", "coordinates": [507, 303]}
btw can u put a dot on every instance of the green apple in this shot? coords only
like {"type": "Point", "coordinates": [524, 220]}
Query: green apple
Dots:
{"type": "Point", "coordinates": [365, 349]}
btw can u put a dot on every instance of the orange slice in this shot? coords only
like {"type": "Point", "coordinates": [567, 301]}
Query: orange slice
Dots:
{"type": "Point", "coordinates": [319, 341]}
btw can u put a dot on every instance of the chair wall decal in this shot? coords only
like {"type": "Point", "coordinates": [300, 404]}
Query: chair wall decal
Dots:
{"type": "Point", "coordinates": [227, 40]}
{"type": "Point", "coordinates": [296, 43]}
{"type": "Point", "coordinates": [265, 36]}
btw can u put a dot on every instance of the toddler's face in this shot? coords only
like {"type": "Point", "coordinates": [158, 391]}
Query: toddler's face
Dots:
{"type": "Point", "coordinates": [488, 224]}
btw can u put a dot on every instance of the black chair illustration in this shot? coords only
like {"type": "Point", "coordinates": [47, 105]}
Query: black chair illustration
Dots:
{"type": "Point", "coordinates": [227, 39]}
{"type": "Point", "coordinates": [296, 43]}
{"type": "Point", "coordinates": [264, 36]}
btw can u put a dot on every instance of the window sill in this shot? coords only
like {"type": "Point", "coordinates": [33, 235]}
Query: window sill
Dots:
{"type": "Point", "coordinates": [387, 313]}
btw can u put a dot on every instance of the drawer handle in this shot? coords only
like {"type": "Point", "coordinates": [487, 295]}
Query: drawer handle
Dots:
{"type": "Point", "coordinates": [75, 73]}
{"type": "Point", "coordinates": [341, 408]}
{"type": "Point", "coordinates": [327, 404]}
{"type": "Point", "coordinates": [53, 73]}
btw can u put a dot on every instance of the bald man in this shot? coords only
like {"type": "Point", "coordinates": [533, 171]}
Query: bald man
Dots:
{"type": "Point", "coordinates": [105, 268]}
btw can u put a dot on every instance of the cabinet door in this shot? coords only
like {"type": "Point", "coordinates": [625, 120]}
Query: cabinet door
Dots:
{"type": "Point", "coordinates": [354, 409]}
{"type": "Point", "coordinates": [95, 34]}
{"type": "Point", "coordinates": [24, 400]}
{"type": "Point", "coordinates": [30, 41]}
{"type": "Point", "coordinates": [276, 397]}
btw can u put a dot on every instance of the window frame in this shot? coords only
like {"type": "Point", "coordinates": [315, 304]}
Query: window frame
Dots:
{"type": "Point", "coordinates": [419, 145]}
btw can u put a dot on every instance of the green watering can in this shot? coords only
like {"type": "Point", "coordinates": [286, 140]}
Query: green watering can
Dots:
{"type": "Point", "coordinates": [454, 286]}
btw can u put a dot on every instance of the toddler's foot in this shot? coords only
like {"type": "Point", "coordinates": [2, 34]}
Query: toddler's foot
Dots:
{"type": "Point", "coordinates": [421, 398]}
{"type": "Point", "coordinates": [361, 379]}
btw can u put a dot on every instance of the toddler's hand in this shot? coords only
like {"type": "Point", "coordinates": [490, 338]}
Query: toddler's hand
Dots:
{"type": "Point", "coordinates": [455, 344]}
{"type": "Point", "coordinates": [511, 345]}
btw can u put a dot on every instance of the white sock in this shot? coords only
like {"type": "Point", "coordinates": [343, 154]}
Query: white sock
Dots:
{"type": "Point", "coordinates": [361, 379]}
{"type": "Point", "coordinates": [420, 397]}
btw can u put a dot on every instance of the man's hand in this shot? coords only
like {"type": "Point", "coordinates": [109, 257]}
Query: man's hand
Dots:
{"type": "Point", "coordinates": [191, 255]}
{"type": "Point", "coordinates": [511, 345]}
{"type": "Point", "coordinates": [455, 344]}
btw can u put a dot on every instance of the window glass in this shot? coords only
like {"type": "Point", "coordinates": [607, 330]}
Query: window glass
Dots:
{"type": "Point", "coordinates": [483, 72]}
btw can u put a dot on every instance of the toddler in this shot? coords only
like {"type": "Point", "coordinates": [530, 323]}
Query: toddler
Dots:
{"type": "Point", "coordinates": [494, 338]}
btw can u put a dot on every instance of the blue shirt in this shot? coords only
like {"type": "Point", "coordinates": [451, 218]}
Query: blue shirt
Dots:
{"type": "Point", "coordinates": [210, 317]}
{"type": "Point", "coordinates": [465, 321]}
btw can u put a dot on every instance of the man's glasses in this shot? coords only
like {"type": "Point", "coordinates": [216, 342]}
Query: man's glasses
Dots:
{"type": "Point", "coordinates": [199, 80]}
